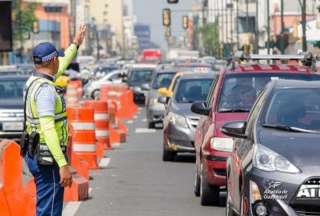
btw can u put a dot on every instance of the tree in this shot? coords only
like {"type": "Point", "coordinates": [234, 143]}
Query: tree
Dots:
{"type": "Point", "coordinates": [210, 37]}
{"type": "Point", "coordinates": [23, 20]}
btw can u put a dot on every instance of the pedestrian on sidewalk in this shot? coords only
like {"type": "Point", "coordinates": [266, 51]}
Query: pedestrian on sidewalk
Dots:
{"type": "Point", "coordinates": [45, 128]}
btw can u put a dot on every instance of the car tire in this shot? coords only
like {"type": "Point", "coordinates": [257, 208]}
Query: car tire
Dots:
{"type": "Point", "coordinates": [209, 195]}
{"type": "Point", "coordinates": [95, 94]}
{"type": "Point", "coordinates": [168, 155]}
{"type": "Point", "coordinates": [229, 211]}
{"type": "Point", "coordinates": [196, 186]}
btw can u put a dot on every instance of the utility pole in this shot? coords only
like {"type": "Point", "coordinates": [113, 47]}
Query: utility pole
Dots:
{"type": "Point", "coordinates": [247, 14]}
{"type": "Point", "coordinates": [256, 47]}
{"type": "Point", "coordinates": [282, 29]}
{"type": "Point", "coordinates": [303, 23]}
{"type": "Point", "coordinates": [98, 43]}
{"type": "Point", "coordinates": [237, 23]}
{"type": "Point", "coordinates": [268, 24]}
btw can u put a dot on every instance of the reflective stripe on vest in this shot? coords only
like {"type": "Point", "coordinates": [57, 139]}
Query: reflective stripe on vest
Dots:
{"type": "Point", "coordinates": [33, 123]}
{"type": "Point", "coordinates": [59, 117]}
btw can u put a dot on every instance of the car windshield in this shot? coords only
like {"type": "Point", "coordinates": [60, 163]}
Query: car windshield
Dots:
{"type": "Point", "coordinates": [105, 70]}
{"type": "Point", "coordinates": [239, 91]}
{"type": "Point", "coordinates": [191, 90]}
{"type": "Point", "coordinates": [303, 113]}
{"type": "Point", "coordinates": [11, 90]}
{"type": "Point", "coordinates": [162, 80]}
{"type": "Point", "coordinates": [141, 76]}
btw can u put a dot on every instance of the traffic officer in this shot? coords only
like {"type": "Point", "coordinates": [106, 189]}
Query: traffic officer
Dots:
{"type": "Point", "coordinates": [46, 125]}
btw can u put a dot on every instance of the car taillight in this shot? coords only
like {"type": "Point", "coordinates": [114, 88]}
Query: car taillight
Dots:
{"type": "Point", "coordinates": [221, 144]}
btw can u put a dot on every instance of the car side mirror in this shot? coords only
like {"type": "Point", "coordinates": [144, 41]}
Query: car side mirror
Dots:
{"type": "Point", "coordinates": [146, 87]}
{"type": "Point", "coordinates": [235, 129]}
{"type": "Point", "coordinates": [163, 99]}
{"type": "Point", "coordinates": [163, 91]}
{"type": "Point", "coordinates": [200, 108]}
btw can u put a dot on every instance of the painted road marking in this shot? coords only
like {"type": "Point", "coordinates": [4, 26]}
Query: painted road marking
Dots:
{"type": "Point", "coordinates": [71, 208]}
{"type": "Point", "coordinates": [145, 130]}
{"type": "Point", "coordinates": [90, 191]}
{"type": "Point", "coordinates": [115, 145]}
{"type": "Point", "coordinates": [104, 162]}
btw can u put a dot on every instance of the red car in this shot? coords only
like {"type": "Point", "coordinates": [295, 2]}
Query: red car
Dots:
{"type": "Point", "coordinates": [230, 99]}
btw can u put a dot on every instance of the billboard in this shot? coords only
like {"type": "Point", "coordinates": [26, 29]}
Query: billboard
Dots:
{"type": "Point", "coordinates": [143, 33]}
{"type": "Point", "coordinates": [5, 26]}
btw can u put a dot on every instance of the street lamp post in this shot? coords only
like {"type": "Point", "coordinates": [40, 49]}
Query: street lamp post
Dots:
{"type": "Point", "coordinates": [94, 28]}
{"type": "Point", "coordinates": [282, 29]}
{"type": "Point", "coordinates": [303, 23]}
{"type": "Point", "coordinates": [268, 24]}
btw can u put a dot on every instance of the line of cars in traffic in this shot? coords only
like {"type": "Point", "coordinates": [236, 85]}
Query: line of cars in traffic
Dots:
{"type": "Point", "coordinates": [254, 129]}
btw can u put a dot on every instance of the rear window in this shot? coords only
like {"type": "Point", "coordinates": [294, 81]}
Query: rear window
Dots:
{"type": "Point", "coordinates": [140, 76]}
{"type": "Point", "coordinates": [189, 91]}
{"type": "Point", "coordinates": [11, 89]}
{"type": "Point", "coordinates": [162, 80]}
{"type": "Point", "coordinates": [239, 91]}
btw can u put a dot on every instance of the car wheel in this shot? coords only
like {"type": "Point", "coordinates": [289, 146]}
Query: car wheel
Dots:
{"type": "Point", "coordinates": [209, 195]}
{"type": "Point", "coordinates": [168, 155]}
{"type": "Point", "coordinates": [197, 181]}
{"type": "Point", "coordinates": [96, 94]}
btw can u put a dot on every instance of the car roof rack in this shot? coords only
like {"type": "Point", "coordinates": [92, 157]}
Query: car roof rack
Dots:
{"type": "Point", "coordinates": [307, 59]}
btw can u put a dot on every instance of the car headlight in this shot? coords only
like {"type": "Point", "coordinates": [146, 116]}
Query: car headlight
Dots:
{"type": "Point", "coordinates": [178, 120]}
{"type": "Point", "coordinates": [268, 160]}
{"type": "Point", "coordinates": [222, 144]}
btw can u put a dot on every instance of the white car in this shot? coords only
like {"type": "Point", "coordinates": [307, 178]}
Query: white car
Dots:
{"type": "Point", "coordinates": [92, 89]}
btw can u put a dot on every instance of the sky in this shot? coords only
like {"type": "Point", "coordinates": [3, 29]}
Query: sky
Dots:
{"type": "Point", "coordinates": [150, 12]}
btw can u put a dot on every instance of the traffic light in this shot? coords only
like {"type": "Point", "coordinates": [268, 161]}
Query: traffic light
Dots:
{"type": "Point", "coordinates": [185, 22]}
{"type": "Point", "coordinates": [166, 17]}
{"type": "Point", "coordinates": [173, 1]}
{"type": "Point", "coordinates": [35, 27]}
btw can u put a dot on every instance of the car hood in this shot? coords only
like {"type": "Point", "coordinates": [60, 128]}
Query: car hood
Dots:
{"type": "Point", "coordinates": [301, 149]}
{"type": "Point", "coordinates": [222, 118]}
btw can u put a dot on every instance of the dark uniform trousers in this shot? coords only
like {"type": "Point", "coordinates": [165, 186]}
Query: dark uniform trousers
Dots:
{"type": "Point", "coordinates": [49, 190]}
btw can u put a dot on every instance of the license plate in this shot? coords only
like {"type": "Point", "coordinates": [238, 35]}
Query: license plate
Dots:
{"type": "Point", "coordinates": [309, 191]}
{"type": "Point", "coordinates": [158, 125]}
{"type": "Point", "coordinates": [12, 126]}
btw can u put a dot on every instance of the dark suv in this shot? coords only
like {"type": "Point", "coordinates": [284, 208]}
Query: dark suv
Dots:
{"type": "Point", "coordinates": [11, 105]}
{"type": "Point", "coordinates": [230, 100]}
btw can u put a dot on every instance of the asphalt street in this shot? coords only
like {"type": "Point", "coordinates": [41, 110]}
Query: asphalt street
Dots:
{"type": "Point", "coordinates": [137, 182]}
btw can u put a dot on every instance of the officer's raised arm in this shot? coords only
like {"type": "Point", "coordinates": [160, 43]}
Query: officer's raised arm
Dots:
{"type": "Point", "coordinates": [71, 52]}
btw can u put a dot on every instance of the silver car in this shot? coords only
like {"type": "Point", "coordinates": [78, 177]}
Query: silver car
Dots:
{"type": "Point", "coordinates": [180, 123]}
{"type": "Point", "coordinates": [155, 110]}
